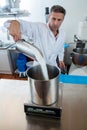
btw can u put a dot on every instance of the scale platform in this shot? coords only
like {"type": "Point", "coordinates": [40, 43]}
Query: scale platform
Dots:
{"type": "Point", "coordinates": [43, 111]}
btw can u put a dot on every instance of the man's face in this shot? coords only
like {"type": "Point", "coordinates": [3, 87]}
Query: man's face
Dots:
{"type": "Point", "coordinates": [55, 20]}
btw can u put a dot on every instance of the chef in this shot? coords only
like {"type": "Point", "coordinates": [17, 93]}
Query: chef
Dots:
{"type": "Point", "coordinates": [49, 38]}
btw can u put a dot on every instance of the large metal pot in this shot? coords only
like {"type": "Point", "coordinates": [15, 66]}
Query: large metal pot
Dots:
{"type": "Point", "coordinates": [43, 92]}
{"type": "Point", "coordinates": [79, 56]}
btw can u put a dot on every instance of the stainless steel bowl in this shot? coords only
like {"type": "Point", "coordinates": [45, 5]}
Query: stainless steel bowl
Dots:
{"type": "Point", "coordinates": [43, 92]}
{"type": "Point", "coordinates": [79, 56]}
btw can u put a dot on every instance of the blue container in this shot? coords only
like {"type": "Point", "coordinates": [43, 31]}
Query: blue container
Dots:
{"type": "Point", "coordinates": [21, 56]}
{"type": "Point", "coordinates": [21, 62]}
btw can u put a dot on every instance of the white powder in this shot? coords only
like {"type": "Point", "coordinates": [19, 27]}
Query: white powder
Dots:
{"type": "Point", "coordinates": [44, 68]}
{"type": "Point", "coordinates": [41, 61]}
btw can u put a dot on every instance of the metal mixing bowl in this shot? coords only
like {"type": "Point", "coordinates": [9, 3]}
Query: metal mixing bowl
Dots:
{"type": "Point", "coordinates": [79, 56]}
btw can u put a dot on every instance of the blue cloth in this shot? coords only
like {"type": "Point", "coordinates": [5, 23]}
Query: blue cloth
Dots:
{"type": "Point", "coordinates": [66, 45]}
{"type": "Point", "coordinates": [73, 79]}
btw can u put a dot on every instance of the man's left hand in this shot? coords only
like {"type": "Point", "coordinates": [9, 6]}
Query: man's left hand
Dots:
{"type": "Point", "coordinates": [61, 65]}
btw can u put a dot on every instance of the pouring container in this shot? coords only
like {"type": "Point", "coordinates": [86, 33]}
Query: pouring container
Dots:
{"type": "Point", "coordinates": [27, 48]}
{"type": "Point", "coordinates": [43, 92]}
{"type": "Point", "coordinates": [79, 56]}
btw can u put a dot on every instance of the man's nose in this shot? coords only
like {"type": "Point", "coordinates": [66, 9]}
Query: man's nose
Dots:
{"type": "Point", "coordinates": [56, 22]}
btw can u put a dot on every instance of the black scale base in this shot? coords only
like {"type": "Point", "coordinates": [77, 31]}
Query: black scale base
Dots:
{"type": "Point", "coordinates": [42, 111]}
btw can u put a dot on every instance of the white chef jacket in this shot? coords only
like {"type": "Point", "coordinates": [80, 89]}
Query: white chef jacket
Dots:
{"type": "Point", "coordinates": [44, 39]}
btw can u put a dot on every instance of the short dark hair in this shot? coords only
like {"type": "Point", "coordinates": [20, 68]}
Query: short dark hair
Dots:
{"type": "Point", "coordinates": [58, 9]}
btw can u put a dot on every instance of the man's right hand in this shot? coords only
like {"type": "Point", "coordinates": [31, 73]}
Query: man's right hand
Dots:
{"type": "Point", "coordinates": [14, 30]}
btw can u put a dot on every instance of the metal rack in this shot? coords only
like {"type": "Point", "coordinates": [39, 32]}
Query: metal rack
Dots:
{"type": "Point", "coordinates": [20, 13]}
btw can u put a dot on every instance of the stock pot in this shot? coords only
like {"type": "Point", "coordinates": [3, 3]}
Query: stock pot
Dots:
{"type": "Point", "coordinates": [43, 92]}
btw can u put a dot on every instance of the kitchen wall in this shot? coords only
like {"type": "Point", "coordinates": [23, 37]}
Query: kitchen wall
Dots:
{"type": "Point", "coordinates": [76, 11]}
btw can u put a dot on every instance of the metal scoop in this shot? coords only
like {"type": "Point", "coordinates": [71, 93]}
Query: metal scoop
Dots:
{"type": "Point", "coordinates": [27, 49]}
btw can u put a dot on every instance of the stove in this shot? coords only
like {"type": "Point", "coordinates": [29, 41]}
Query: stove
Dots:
{"type": "Point", "coordinates": [51, 111]}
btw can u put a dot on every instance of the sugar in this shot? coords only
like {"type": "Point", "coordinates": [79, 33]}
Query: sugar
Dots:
{"type": "Point", "coordinates": [44, 68]}
{"type": "Point", "coordinates": [41, 61]}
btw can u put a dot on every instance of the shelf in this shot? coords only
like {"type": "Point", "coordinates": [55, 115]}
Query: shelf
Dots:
{"type": "Point", "coordinates": [23, 13]}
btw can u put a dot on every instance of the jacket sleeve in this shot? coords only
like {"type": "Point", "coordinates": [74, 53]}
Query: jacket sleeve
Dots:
{"type": "Point", "coordinates": [28, 29]}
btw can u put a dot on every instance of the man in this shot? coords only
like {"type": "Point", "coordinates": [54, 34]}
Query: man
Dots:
{"type": "Point", "coordinates": [49, 38]}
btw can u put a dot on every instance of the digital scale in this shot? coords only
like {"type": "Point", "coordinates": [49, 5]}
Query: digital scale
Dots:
{"type": "Point", "coordinates": [52, 111]}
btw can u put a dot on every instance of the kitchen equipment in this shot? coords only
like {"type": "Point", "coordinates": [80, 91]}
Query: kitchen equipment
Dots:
{"type": "Point", "coordinates": [79, 56]}
{"type": "Point", "coordinates": [79, 43]}
{"type": "Point", "coordinates": [7, 5]}
{"type": "Point", "coordinates": [45, 94]}
{"type": "Point", "coordinates": [27, 49]}
{"type": "Point", "coordinates": [7, 59]}
{"type": "Point", "coordinates": [21, 65]}
{"type": "Point", "coordinates": [46, 13]}
{"type": "Point", "coordinates": [14, 3]}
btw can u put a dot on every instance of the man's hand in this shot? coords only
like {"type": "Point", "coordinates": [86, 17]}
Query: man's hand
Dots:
{"type": "Point", "coordinates": [61, 64]}
{"type": "Point", "coordinates": [14, 30]}
{"type": "Point", "coordinates": [62, 67]}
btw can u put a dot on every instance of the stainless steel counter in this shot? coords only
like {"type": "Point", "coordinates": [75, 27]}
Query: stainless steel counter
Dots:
{"type": "Point", "coordinates": [78, 70]}
{"type": "Point", "coordinates": [14, 93]}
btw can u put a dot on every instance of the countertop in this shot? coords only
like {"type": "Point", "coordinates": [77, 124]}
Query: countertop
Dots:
{"type": "Point", "coordinates": [13, 95]}
{"type": "Point", "coordinates": [78, 70]}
